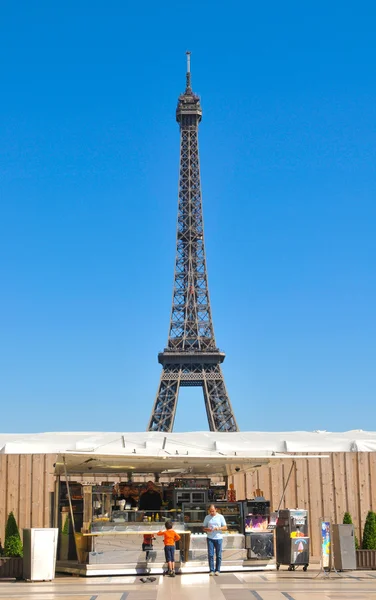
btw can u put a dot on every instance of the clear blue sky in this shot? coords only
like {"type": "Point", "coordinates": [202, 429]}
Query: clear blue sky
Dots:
{"type": "Point", "coordinates": [89, 170]}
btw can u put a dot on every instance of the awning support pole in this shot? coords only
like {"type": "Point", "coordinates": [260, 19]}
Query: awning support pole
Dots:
{"type": "Point", "coordinates": [69, 498]}
{"type": "Point", "coordinates": [56, 501]}
{"type": "Point", "coordinates": [286, 484]}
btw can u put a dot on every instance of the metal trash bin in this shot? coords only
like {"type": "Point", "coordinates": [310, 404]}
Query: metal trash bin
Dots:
{"type": "Point", "coordinates": [39, 553]}
{"type": "Point", "coordinates": [344, 547]}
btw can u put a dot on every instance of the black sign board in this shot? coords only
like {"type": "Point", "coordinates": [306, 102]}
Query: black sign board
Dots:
{"type": "Point", "coordinates": [103, 489]}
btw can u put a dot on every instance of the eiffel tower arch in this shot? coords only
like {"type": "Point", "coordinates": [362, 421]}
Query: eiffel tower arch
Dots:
{"type": "Point", "coordinates": [191, 357]}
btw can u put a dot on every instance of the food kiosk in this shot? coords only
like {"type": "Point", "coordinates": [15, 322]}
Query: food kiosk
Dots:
{"type": "Point", "coordinates": [106, 528]}
{"type": "Point", "coordinates": [113, 535]}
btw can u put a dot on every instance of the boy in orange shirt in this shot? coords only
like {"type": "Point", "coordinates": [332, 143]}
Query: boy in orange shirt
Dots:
{"type": "Point", "coordinates": [169, 537]}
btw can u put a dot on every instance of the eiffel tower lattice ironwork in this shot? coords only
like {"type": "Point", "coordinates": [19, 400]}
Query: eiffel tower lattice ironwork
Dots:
{"type": "Point", "coordinates": [191, 357]}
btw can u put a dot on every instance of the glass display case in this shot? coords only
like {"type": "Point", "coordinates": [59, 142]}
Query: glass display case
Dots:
{"type": "Point", "coordinates": [102, 501]}
{"type": "Point", "coordinates": [193, 516]}
{"type": "Point", "coordinates": [195, 513]}
{"type": "Point", "coordinates": [134, 519]}
{"type": "Point", "coordinates": [232, 514]}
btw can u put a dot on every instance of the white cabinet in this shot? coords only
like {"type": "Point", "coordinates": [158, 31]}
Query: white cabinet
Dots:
{"type": "Point", "coordinates": [39, 558]}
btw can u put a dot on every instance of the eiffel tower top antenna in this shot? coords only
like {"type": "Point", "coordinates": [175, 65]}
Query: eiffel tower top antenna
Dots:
{"type": "Point", "coordinates": [188, 85]}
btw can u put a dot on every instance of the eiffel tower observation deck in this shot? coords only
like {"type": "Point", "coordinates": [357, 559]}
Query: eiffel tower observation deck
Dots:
{"type": "Point", "coordinates": [191, 357]}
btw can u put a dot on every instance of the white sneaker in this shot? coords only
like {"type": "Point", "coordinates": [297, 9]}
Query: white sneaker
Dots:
{"type": "Point", "coordinates": [217, 573]}
{"type": "Point", "coordinates": [211, 573]}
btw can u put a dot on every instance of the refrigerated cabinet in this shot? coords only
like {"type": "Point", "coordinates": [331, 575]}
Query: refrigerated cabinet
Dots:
{"type": "Point", "coordinates": [260, 545]}
{"type": "Point", "coordinates": [259, 540]}
{"type": "Point", "coordinates": [233, 549]}
{"type": "Point", "coordinates": [193, 516]}
{"type": "Point", "coordinates": [232, 514]}
{"type": "Point", "coordinates": [195, 513]}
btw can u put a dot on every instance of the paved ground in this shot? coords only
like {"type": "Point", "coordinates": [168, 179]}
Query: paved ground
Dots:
{"type": "Point", "coordinates": [357, 585]}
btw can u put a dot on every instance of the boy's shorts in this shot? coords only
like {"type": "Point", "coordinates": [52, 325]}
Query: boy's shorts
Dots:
{"type": "Point", "coordinates": [169, 553]}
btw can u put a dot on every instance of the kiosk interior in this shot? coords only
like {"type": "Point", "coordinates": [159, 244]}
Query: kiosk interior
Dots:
{"type": "Point", "coordinates": [114, 527]}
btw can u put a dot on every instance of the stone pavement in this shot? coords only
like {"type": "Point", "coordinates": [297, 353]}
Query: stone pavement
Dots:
{"type": "Point", "coordinates": [262, 585]}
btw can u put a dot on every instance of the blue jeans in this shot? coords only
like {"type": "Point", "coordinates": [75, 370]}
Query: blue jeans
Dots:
{"type": "Point", "coordinates": [217, 546]}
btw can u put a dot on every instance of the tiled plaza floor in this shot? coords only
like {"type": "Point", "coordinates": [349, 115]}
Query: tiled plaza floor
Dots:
{"type": "Point", "coordinates": [282, 585]}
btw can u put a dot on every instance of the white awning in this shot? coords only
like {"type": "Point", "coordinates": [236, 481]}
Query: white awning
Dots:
{"type": "Point", "coordinates": [164, 465]}
{"type": "Point", "coordinates": [200, 444]}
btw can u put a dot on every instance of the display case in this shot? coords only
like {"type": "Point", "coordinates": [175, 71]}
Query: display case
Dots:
{"type": "Point", "coordinates": [193, 516]}
{"type": "Point", "coordinates": [257, 511]}
{"type": "Point", "coordinates": [102, 501]}
{"type": "Point", "coordinates": [232, 514]}
{"type": "Point", "coordinates": [129, 538]}
{"type": "Point", "coordinates": [134, 519]}
{"type": "Point", "coordinates": [195, 513]}
{"type": "Point", "coordinates": [232, 549]}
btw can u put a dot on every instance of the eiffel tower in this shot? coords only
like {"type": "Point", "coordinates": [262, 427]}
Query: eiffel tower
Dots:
{"type": "Point", "coordinates": [191, 357]}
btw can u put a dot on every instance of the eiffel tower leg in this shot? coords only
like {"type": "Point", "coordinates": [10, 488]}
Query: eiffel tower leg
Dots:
{"type": "Point", "coordinates": [217, 403]}
{"type": "Point", "coordinates": [163, 414]}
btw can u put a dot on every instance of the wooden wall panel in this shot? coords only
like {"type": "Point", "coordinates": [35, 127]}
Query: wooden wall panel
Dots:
{"type": "Point", "coordinates": [372, 477]}
{"type": "Point", "coordinates": [289, 500]}
{"type": "Point", "coordinates": [326, 487]}
{"type": "Point", "coordinates": [351, 491]}
{"type": "Point", "coordinates": [25, 491]}
{"type": "Point", "coordinates": [263, 481]}
{"type": "Point", "coordinates": [340, 503]}
{"type": "Point", "coordinates": [3, 494]}
{"type": "Point", "coordinates": [240, 487]}
{"type": "Point", "coordinates": [13, 485]}
{"type": "Point", "coordinates": [316, 508]}
{"type": "Point", "coordinates": [275, 473]}
{"type": "Point", "coordinates": [364, 493]}
{"type": "Point", "coordinates": [49, 481]}
{"type": "Point", "coordinates": [37, 491]}
{"type": "Point", "coordinates": [302, 491]}
{"type": "Point", "coordinates": [252, 483]}
{"type": "Point", "coordinates": [327, 491]}
{"type": "Point", "coordinates": [245, 486]}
